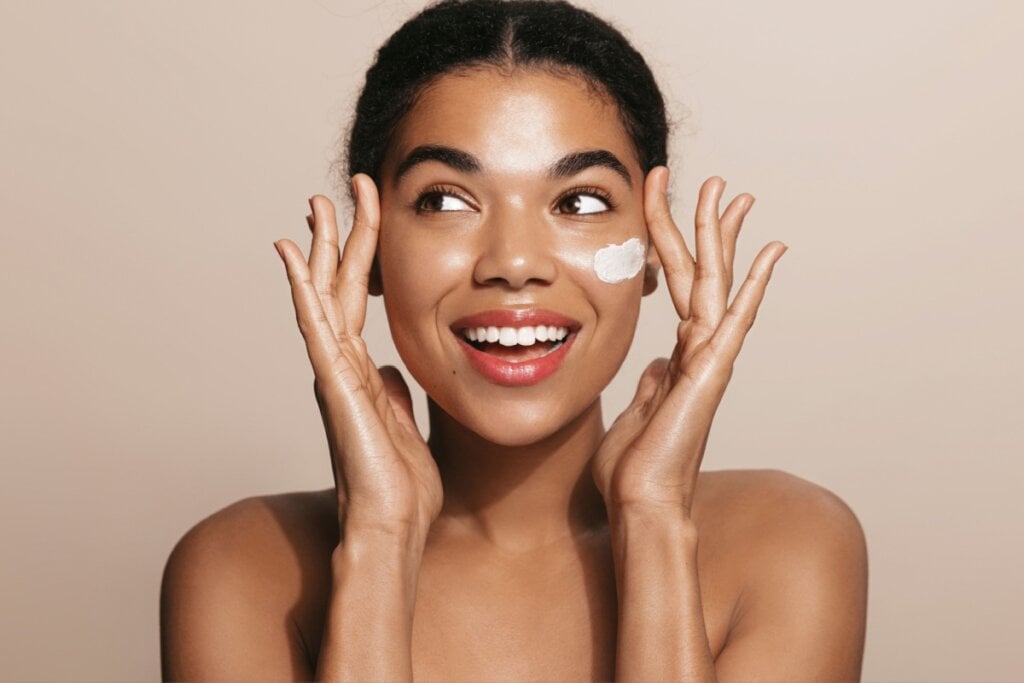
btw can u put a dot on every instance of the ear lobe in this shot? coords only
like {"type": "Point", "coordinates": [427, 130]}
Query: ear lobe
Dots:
{"type": "Point", "coordinates": [375, 286]}
{"type": "Point", "coordinates": [651, 268]}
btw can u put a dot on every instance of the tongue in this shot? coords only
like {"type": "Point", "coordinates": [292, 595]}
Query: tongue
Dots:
{"type": "Point", "coordinates": [515, 354]}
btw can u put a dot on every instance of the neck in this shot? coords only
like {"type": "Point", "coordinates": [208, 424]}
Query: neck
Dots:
{"type": "Point", "coordinates": [519, 497]}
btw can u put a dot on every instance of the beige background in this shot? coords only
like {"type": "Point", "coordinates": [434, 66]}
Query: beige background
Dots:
{"type": "Point", "coordinates": [152, 372]}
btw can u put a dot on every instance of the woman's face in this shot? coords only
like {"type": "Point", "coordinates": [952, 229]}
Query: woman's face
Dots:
{"type": "Point", "coordinates": [497, 195]}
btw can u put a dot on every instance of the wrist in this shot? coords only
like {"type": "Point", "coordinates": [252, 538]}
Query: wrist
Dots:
{"type": "Point", "coordinates": [669, 498]}
{"type": "Point", "coordinates": [375, 536]}
{"type": "Point", "coordinates": [655, 519]}
{"type": "Point", "coordinates": [388, 554]}
{"type": "Point", "coordinates": [365, 522]}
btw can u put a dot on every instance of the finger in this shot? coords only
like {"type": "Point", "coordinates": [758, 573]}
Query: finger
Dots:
{"type": "Point", "coordinates": [710, 294]}
{"type": "Point", "coordinates": [650, 381]}
{"type": "Point", "coordinates": [631, 421]}
{"type": "Point", "coordinates": [728, 338]}
{"type": "Point", "coordinates": [321, 344]}
{"type": "Point", "coordinates": [323, 259]}
{"type": "Point", "coordinates": [398, 396]}
{"type": "Point", "coordinates": [669, 244]}
{"type": "Point", "coordinates": [677, 363]}
{"type": "Point", "coordinates": [357, 258]}
{"type": "Point", "coordinates": [732, 222]}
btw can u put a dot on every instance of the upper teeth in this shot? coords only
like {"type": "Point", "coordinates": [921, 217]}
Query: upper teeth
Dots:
{"type": "Point", "coordinates": [511, 336]}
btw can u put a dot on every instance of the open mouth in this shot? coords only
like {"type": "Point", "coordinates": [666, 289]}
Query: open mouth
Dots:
{"type": "Point", "coordinates": [516, 347]}
{"type": "Point", "coordinates": [516, 344]}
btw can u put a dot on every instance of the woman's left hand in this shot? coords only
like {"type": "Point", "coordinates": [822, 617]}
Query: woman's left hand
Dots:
{"type": "Point", "coordinates": [653, 450]}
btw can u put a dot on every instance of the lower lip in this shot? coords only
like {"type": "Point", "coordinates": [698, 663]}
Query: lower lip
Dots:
{"type": "Point", "coordinates": [522, 374]}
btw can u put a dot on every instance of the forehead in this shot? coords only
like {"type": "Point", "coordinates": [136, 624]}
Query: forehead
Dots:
{"type": "Point", "coordinates": [515, 121]}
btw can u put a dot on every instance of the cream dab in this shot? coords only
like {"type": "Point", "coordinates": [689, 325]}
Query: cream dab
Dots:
{"type": "Point", "coordinates": [619, 262]}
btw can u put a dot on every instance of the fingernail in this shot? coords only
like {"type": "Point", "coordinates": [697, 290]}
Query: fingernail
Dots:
{"type": "Point", "coordinates": [355, 190]}
{"type": "Point", "coordinates": [277, 248]}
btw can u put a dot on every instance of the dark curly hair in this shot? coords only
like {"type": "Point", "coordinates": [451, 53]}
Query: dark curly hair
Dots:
{"type": "Point", "coordinates": [548, 34]}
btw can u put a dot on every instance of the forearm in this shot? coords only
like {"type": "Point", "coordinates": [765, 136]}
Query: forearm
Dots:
{"type": "Point", "coordinates": [368, 629]}
{"type": "Point", "coordinates": [661, 631]}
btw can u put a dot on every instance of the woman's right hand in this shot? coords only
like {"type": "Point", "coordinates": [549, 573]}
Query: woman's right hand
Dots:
{"type": "Point", "coordinates": [384, 473]}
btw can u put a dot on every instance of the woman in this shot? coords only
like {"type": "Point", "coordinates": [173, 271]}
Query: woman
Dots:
{"type": "Point", "coordinates": [508, 173]}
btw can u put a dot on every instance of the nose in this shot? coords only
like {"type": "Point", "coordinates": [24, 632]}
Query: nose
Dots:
{"type": "Point", "coordinates": [515, 251]}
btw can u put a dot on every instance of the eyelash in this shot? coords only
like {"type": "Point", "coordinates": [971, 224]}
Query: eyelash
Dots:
{"type": "Point", "coordinates": [588, 190]}
{"type": "Point", "coordinates": [439, 190]}
{"type": "Point", "coordinates": [435, 191]}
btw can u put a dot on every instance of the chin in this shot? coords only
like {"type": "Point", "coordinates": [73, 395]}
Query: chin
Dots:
{"type": "Point", "coordinates": [515, 422]}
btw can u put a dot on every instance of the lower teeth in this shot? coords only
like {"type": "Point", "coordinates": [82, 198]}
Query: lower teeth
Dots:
{"type": "Point", "coordinates": [479, 346]}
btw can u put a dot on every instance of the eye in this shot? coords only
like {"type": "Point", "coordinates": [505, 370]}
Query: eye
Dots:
{"type": "Point", "coordinates": [585, 201]}
{"type": "Point", "coordinates": [438, 199]}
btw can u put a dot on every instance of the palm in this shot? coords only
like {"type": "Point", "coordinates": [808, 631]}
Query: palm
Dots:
{"type": "Point", "coordinates": [653, 451]}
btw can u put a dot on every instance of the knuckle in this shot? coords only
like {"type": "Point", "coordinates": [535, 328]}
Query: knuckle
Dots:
{"type": "Point", "coordinates": [744, 319]}
{"type": "Point", "coordinates": [329, 240]}
{"type": "Point", "coordinates": [702, 271]}
{"type": "Point", "coordinates": [309, 325]}
{"type": "Point", "coordinates": [673, 269]}
{"type": "Point", "coordinates": [325, 291]}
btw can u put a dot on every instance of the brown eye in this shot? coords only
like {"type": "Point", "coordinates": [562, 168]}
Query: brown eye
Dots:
{"type": "Point", "coordinates": [580, 204]}
{"type": "Point", "coordinates": [441, 201]}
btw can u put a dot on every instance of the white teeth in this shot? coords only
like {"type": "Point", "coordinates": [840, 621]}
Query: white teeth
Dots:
{"type": "Point", "coordinates": [516, 336]}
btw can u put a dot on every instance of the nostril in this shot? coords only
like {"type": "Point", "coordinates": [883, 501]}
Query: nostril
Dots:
{"type": "Point", "coordinates": [513, 282]}
{"type": "Point", "coordinates": [515, 264]}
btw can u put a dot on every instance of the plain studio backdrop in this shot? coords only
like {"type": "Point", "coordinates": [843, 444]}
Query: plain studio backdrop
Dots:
{"type": "Point", "coordinates": [152, 371]}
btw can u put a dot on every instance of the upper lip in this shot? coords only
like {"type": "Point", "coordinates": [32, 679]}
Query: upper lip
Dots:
{"type": "Point", "coordinates": [512, 317]}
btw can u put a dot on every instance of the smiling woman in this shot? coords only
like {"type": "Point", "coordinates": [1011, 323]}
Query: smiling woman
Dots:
{"type": "Point", "coordinates": [508, 172]}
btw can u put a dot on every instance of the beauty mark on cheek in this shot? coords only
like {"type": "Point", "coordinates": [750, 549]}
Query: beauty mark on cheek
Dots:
{"type": "Point", "coordinates": [619, 262]}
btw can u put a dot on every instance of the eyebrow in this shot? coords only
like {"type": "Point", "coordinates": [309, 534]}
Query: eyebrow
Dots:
{"type": "Point", "coordinates": [571, 164]}
{"type": "Point", "coordinates": [567, 166]}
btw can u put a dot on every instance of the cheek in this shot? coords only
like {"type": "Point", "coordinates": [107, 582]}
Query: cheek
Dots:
{"type": "Point", "coordinates": [605, 264]}
{"type": "Point", "coordinates": [611, 275]}
{"type": "Point", "coordinates": [610, 269]}
{"type": "Point", "coordinates": [417, 269]}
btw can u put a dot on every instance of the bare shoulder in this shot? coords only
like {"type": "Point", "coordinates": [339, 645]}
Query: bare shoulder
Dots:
{"type": "Point", "coordinates": [798, 558]}
{"type": "Point", "coordinates": [773, 501]}
{"type": "Point", "coordinates": [234, 584]}
{"type": "Point", "coordinates": [265, 535]}
{"type": "Point", "coordinates": [776, 518]}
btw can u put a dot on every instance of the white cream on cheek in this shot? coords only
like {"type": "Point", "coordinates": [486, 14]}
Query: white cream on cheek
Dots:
{"type": "Point", "coordinates": [619, 262]}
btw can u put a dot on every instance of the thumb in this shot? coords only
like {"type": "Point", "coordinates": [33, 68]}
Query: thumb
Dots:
{"type": "Point", "coordinates": [398, 396]}
{"type": "Point", "coordinates": [649, 382]}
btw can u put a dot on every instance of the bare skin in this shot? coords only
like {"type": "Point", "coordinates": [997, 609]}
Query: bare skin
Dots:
{"type": "Point", "coordinates": [558, 550]}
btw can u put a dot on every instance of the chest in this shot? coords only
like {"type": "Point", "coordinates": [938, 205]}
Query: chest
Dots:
{"type": "Point", "coordinates": [481, 619]}
{"type": "Point", "coordinates": [551, 617]}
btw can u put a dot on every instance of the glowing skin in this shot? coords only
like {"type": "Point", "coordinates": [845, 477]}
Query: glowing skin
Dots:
{"type": "Point", "coordinates": [620, 262]}
{"type": "Point", "coordinates": [507, 232]}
